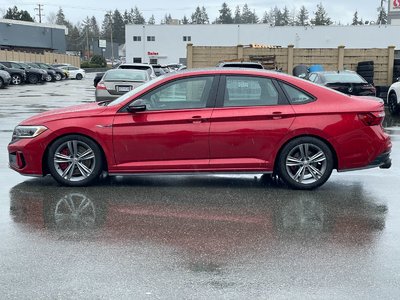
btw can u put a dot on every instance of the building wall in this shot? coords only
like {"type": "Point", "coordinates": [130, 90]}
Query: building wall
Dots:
{"type": "Point", "coordinates": [24, 35]}
{"type": "Point", "coordinates": [47, 57]}
{"type": "Point", "coordinates": [169, 46]}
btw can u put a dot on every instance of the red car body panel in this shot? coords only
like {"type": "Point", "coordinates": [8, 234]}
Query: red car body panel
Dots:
{"type": "Point", "coordinates": [211, 139]}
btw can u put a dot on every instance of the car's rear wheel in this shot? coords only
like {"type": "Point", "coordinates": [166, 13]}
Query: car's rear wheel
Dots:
{"type": "Point", "coordinates": [48, 78]}
{"type": "Point", "coordinates": [75, 160]}
{"type": "Point", "coordinates": [393, 105]}
{"type": "Point", "coordinates": [58, 77]}
{"type": "Point", "coordinates": [1, 83]}
{"type": "Point", "coordinates": [79, 76]}
{"type": "Point", "coordinates": [33, 79]}
{"type": "Point", "coordinates": [16, 79]}
{"type": "Point", "coordinates": [305, 163]}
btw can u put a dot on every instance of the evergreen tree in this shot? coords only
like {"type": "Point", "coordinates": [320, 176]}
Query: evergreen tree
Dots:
{"type": "Point", "coordinates": [248, 17]}
{"type": "Point", "coordinates": [382, 17]}
{"type": "Point", "coordinates": [237, 19]}
{"type": "Point", "coordinates": [200, 16]}
{"type": "Point", "coordinates": [118, 27]}
{"type": "Point", "coordinates": [137, 16]}
{"type": "Point", "coordinates": [302, 18]}
{"type": "Point", "coordinates": [225, 15]}
{"type": "Point", "coordinates": [268, 17]}
{"type": "Point", "coordinates": [15, 14]}
{"type": "Point", "coordinates": [285, 17]}
{"type": "Point", "coordinates": [152, 20]}
{"type": "Point", "coordinates": [277, 16]}
{"type": "Point", "coordinates": [185, 20]}
{"type": "Point", "coordinates": [94, 27]}
{"type": "Point", "coordinates": [321, 17]}
{"type": "Point", "coordinates": [127, 17]}
{"type": "Point", "coordinates": [167, 19]}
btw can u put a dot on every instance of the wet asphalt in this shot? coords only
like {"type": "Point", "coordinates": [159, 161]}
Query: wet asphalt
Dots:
{"type": "Point", "coordinates": [193, 237]}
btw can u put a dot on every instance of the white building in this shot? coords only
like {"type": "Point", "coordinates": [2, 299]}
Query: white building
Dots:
{"type": "Point", "coordinates": [167, 43]}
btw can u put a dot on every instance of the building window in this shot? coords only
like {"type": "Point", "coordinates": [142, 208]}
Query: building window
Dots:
{"type": "Point", "coordinates": [187, 38]}
{"type": "Point", "coordinates": [153, 61]}
{"type": "Point", "coordinates": [137, 38]}
{"type": "Point", "coordinates": [137, 59]}
{"type": "Point", "coordinates": [151, 38]}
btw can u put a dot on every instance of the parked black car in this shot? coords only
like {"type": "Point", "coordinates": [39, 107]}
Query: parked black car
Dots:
{"type": "Point", "coordinates": [18, 76]}
{"type": "Point", "coordinates": [33, 75]}
{"type": "Point", "coordinates": [51, 75]}
{"type": "Point", "coordinates": [59, 74]}
{"type": "Point", "coordinates": [347, 82]}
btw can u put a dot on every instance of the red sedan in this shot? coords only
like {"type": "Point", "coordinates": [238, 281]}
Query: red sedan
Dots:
{"type": "Point", "coordinates": [208, 121]}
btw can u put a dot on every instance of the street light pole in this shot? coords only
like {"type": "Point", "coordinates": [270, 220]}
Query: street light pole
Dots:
{"type": "Point", "coordinates": [111, 38]}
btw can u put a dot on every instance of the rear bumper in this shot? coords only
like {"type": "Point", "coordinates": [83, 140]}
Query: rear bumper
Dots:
{"type": "Point", "coordinates": [383, 161]}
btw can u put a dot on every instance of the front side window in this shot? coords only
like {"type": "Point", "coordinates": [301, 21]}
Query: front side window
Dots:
{"type": "Point", "coordinates": [180, 94]}
{"type": "Point", "coordinates": [295, 95]}
{"type": "Point", "coordinates": [249, 91]}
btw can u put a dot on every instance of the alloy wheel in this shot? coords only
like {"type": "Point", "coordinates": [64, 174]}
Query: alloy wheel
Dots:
{"type": "Point", "coordinates": [74, 160]}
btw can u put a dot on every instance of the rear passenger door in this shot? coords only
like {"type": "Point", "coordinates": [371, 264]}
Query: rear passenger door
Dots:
{"type": "Point", "coordinates": [251, 118]}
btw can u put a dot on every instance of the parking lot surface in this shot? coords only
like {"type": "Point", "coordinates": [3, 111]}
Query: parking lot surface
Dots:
{"type": "Point", "coordinates": [192, 237]}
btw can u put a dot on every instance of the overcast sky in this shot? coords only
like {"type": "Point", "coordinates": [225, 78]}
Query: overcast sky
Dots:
{"type": "Point", "coordinates": [76, 10]}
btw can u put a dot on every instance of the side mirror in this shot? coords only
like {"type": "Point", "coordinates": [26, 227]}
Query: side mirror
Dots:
{"type": "Point", "coordinates": [137, 106]}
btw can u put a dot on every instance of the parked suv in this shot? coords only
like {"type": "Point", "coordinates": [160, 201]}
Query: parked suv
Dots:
{"type": "Point", "coordinates": [18, 76]}
{"type": "Point", "coordinates": [139, 66]}
{"type": "Point", "coordinates": [33, 75]}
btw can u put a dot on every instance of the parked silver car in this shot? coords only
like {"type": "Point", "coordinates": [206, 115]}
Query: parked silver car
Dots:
{"type": "Point", "coordinates": [5, 79]}
{"type": "Point", "coordinates": [117, 82]}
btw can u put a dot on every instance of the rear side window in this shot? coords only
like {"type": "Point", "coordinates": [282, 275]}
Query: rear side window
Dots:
{"type": "Point", "coordinates": [249, 91]}
{"type": "Point", "coordinates": [295, 95]}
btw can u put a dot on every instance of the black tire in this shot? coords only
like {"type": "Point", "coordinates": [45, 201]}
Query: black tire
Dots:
{"type": "Point", "coordinates": [79, 76]}
{"type": "Point", "coordinates": [297, 168]}
{"type": "Point", "coordinates": [300, 71]}
{"type": "Point", "coordinates": [49, 78]}
{"type": "Point", "coordinates": [58, 76]}
{"type": "Point", "coordinates": [2, 86]}
{"type": "Point", "coordinates": [33, 79]}
{"type": "Point", "coordinates": [366, 63]}
{"type": "Point", "coordinates": [393, 106]}
{"type": "Point", "coordinates": [364, 68]}
{"type": "Point", "coordinates": [68, 163]}
{"type": "Point", "coordinates": [16, 79]}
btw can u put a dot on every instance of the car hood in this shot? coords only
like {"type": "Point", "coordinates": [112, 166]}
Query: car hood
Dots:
{"type": "Point", "coordinates": [77, 111]}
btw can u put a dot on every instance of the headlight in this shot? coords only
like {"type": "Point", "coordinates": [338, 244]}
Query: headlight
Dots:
{"type": "Point", "coordinates": [26, 132]}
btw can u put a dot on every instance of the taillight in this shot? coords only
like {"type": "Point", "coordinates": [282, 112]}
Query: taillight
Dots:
{"type": "Point", "coordinates": [372, 118]}
{"type": "Point", "coordinates": [101, 86]}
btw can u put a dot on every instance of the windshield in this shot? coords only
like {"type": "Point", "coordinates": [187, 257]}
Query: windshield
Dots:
{"type": "Point", "coordinates": [135, 91]}
{"type": "Point", "coordinates": [344, 78]}
{"type": "Point", "coordinates": [134, 75]}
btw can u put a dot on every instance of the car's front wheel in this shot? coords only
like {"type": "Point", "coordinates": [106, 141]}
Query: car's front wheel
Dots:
{"type": "Point", "coordinates": [16, 79]}
{"type": "Point", "coordinates": [58, 77]}
{"type": "Point", "coordinates": [1, 84]}
{"type": "Point", "coordinates": [75, 160]}
{"type": "Point", "coordinates": [393, 105]}
{"type": "Point", "coordinates": [305, 163]}
{"type": "Point", "coordinates": [79, 76]}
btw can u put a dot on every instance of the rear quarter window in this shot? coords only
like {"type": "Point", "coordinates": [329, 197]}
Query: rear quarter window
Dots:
{"type": "Point", "coordinates": [295, 95]}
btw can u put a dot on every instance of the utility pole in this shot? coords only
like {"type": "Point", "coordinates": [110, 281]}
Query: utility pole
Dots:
{"type": "Point", "coordinates": [111, 38]}
{"type": "Point", "coordinates": [39, 9]}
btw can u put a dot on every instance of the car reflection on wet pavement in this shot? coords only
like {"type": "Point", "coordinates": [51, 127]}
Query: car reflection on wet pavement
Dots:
{"type": "Point", "coordinates": [189, 237]}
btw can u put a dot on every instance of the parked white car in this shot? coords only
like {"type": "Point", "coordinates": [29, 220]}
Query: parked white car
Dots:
{"type": "Point", "coordinates": [74, 72]}
{"type": "Point", "coordinates": [393, 98]}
